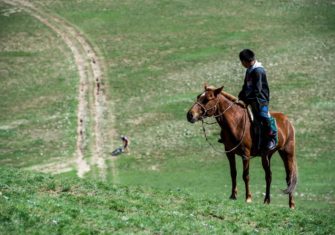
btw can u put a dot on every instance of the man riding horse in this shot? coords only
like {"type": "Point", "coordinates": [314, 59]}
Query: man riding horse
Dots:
{"type": "Point", "coordinates": [256, 92]}
{"type": "Point", "coordinates": [237, 130]}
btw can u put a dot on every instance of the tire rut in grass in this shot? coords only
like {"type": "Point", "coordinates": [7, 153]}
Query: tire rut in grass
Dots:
{"type": "Point", "coordinates": [93, 111]}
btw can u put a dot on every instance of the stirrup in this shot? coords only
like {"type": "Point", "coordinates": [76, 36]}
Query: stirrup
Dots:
{"type": "Point", "coordinates": [271, 145]}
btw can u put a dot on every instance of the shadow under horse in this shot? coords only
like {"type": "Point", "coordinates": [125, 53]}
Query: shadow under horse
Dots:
{"type": "Point", "coordinates": [237, 137]}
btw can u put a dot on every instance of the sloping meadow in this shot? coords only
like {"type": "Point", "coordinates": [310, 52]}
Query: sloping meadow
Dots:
{"type": "Point", "coordinates": [157, 56]}
{"type": "Point", "coordinates": [38, 92]}
{"type": "Point", "coordinates": [34, 203]}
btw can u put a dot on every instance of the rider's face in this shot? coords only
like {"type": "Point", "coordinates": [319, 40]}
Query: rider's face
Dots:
{"type": "Point", "coordinates": [245, 64]}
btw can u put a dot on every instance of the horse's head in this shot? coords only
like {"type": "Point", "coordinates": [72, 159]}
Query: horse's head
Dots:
{"type": "Point", "coordinates": [206, 104]}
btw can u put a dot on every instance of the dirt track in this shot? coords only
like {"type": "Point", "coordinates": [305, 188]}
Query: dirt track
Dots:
{"type": "Point", "coordinates": [94, 116]}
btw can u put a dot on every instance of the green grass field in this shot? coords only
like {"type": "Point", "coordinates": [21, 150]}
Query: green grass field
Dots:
{"type": "Point", "coordinates": [37, 93]}
{"type": "Point", "coordinates": [157, 56]}
{"type": "Point", "coordinates": [43, 204]}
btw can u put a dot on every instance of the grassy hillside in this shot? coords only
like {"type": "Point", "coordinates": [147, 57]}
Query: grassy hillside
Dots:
{"type": "Point", "coordinates": [42, 204]}
{"type": "Point", "coordinates": [157, 55]}
{"type": "Point", "coordinates": [38, 92]}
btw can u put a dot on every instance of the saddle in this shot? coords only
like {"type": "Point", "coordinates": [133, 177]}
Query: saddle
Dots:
{"type": "Point", "coordinates": [259, 140]}
{"type": "Point", "coordinates": [257, 130]}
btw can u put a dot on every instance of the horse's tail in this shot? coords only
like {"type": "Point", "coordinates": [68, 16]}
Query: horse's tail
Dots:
{"type": "Point", "coordinates": [293, 181]}
{"type": "Point", "coordinates": [292, 162]}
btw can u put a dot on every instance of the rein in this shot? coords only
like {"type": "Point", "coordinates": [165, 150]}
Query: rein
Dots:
{"type": "Point", "coordinates": [219, 115]}
{"type": "Point", "coordinates": [206, 110]}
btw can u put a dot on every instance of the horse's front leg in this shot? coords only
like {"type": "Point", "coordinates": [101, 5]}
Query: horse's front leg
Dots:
{"type": "Point", "coordinates": [268, 176]}
{"type": "Point", "coordinates": [233, 174]}
{"type": "Point", "coordinates": [246, 163]}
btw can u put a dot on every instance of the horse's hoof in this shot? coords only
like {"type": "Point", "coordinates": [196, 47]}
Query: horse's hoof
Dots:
{"type": "Point", "coordinates": [249, 200]}
{"type": "Point", "coordinates": [267, 201]}
{"type": "Point", "coordinates": [232, 197]}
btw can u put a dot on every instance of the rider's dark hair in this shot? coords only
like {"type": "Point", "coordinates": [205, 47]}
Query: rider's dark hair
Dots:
{"type": "Point", "coordinates": [247, 55]}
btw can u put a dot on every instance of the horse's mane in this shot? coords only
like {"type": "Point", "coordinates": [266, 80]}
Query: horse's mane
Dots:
{"type": "Point", "coordinates": [233, 99]}
{"type": "Point", "coordinates": [227, 95]}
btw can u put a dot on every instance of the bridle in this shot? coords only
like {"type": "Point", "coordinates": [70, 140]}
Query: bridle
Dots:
{"type": "Point", "coordinates": [204, 115]}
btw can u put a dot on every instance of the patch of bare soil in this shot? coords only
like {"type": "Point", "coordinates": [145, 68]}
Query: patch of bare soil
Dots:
{"type": "Point", "coordinates": [93, 125]}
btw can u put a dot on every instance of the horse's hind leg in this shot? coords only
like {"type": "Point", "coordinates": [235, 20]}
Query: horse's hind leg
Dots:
{"type": "Point", "coordinates": [268, 176]}
{"type": "Point", "coordinates": [289, 168]}
{"type": "Point", "coordinates": [233, 174]}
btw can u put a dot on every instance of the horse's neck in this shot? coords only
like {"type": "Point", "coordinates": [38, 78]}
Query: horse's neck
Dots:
{"type": "Point", "coordinates": [231, 115]}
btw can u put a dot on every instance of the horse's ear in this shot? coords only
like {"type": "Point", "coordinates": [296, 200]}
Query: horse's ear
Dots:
{"type": "Point", "coordinates": [205, 86]}
{"type": "Point", "coordinates": [218, 91]}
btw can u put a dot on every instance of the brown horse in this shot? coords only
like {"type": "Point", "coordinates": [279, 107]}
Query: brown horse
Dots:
{"type": "Point", "coordinates": [237, 137]}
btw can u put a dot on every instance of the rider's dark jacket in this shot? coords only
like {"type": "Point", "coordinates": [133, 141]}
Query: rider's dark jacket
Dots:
{"type": "Point", "coordinates": [255, 87]}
